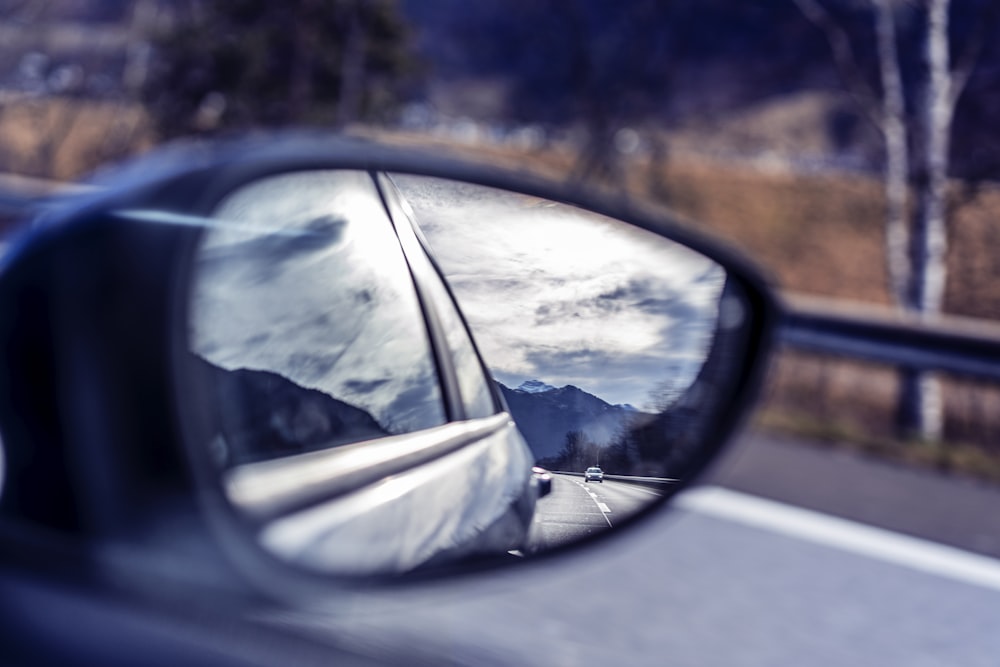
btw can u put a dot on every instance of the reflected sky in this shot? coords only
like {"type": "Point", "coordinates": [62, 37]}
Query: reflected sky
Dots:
{"type": "Point", "coordinates": [303, 275]}
{"type": "Point", "coordinates": [568, 297]}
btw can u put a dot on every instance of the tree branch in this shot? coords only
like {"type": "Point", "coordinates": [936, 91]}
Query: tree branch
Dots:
{"type": "Point", "coordinates": [967, 60]}
{"type": "Point", "coordinates": [863, 95]}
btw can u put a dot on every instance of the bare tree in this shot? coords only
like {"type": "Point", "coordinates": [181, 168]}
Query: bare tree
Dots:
{"type": "Point", "coordinates": [915, 231]}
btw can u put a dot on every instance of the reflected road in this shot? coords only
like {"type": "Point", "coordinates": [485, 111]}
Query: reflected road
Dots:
{"type": "Point", "coordinates": [577, 509]}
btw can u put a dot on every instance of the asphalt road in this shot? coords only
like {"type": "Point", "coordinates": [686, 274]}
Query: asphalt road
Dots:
{"type": "Point", "coordinates": [729, 577]}
{"type": "Point", "coordinates": [577, 509]}
{"type": "Point", "coordinates": [912, 501]}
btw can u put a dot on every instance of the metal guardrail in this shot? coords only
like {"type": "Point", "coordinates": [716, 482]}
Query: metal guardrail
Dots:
{"type": "Point", "coordinates": [948, 343]}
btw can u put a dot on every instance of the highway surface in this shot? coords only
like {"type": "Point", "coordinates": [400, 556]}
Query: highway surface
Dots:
{"type": "Point", "coordinates": [726, 578]}
{"type": "Point", "coordinates": [577, 509]}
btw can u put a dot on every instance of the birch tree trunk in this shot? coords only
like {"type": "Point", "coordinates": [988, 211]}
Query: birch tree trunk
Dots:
{"type": "Point", "coordinates": [916, 241]}
{"type": "Point", "coordinates": [893, 127]}
{"type": "Point", "coordinates": [921, 401]}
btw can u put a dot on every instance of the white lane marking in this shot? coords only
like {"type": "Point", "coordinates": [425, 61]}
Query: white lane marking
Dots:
{"type": "Point", "coordinates": [605, 510]}
{"type": "Point", "coordinates": [877, 543]}
{"type": "Point", "coordinates": [601, 506]}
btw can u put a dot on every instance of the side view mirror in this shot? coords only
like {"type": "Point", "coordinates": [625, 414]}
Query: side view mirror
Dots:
{"type": "Point", "coordinates": [367, 362]}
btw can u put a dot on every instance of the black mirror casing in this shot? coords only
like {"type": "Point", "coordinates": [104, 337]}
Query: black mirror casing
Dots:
{"type": "Point", "coordinates": [95, 406]}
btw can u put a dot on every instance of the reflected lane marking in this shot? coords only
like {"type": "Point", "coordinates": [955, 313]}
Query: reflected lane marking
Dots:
{"type": "Point", "coordinates": [876, 543]}
{"type": "Point", "coordinates": [601, 506]}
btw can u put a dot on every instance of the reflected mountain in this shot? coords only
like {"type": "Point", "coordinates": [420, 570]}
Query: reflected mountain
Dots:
{"type": "Point", "coordinates": [549, 418]}
{"type": "Point", "coordinates": [570, 429]}
{"type": "Point", "coordinates": [264, 415]}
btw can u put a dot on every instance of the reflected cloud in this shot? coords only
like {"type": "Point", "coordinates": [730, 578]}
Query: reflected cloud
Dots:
{"type": "Point", "coordinates": [277, 245]}
{"type": "Point", "coordinates": [566, 296]}
{"type": "Point", "coordinates": [363, 387]}
{"type": "Point", "coordinates": [306, 279]}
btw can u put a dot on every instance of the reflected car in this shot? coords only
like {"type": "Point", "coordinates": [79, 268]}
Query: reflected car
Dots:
{"type": "Point", "coordinates": [544, 479]}
{"type": "Point", "coordinates": [594, 474]}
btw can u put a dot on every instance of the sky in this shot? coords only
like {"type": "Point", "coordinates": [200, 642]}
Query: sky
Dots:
{"type": "Point", "coordinates": [562, 295]}
{"type": "Point", "coordinates": [302, 275]}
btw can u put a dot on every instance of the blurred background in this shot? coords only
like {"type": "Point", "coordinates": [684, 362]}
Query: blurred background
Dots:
{"type": "Point", "coordinates": [833, 141]}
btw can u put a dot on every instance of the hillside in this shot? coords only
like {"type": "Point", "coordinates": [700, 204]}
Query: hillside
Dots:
{"type": "Point", "coordinates": [265, 415]}
{"type": "Point", "coordinates": [545, 418]}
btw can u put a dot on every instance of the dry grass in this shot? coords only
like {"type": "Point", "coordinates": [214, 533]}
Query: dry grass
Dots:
{"type": "Point", "coordinates": [812, 235]}
{"type": "Point", "coordinates": [823, 234]}
{"type": "Point", "coordinates": [64, 139]}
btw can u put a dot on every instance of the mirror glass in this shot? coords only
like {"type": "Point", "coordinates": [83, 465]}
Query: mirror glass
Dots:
{"type": "Point", "coordinates": [303, 300]}
{"type": "Point", "coordinates": [401, 372]}
{"type": "Point", "coordinates": [596, 333]}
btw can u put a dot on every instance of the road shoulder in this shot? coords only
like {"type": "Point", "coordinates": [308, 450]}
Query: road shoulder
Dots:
{"type": "Point", "coordinates": [846, 484]}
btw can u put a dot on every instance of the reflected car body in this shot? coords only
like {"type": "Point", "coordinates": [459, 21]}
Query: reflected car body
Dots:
{"type": "Point", "coordinates": [544, 478]}
{"type": "Point", "coordinates": [593, 474]}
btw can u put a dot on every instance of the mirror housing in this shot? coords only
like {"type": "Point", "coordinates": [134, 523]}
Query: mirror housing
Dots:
{"type": "Point", "coordinates": [97, 330]}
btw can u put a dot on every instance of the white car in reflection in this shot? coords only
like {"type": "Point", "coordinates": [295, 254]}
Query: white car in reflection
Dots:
{"type": "Point", "coordinates": [594, 474]}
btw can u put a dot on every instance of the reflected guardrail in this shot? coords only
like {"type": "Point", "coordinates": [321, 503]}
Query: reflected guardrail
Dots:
{"type": "Point", "coordinates": [651, 482]}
